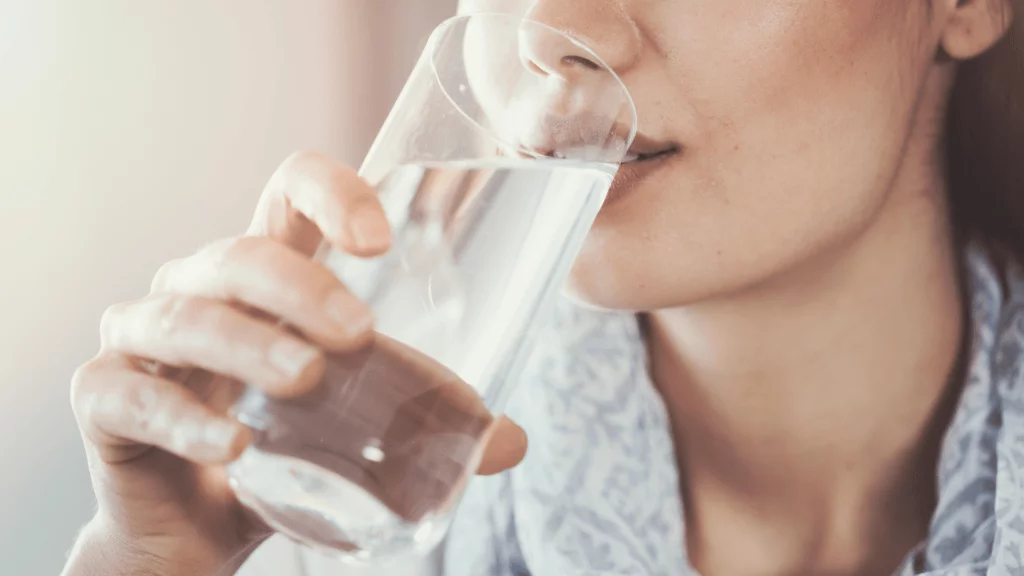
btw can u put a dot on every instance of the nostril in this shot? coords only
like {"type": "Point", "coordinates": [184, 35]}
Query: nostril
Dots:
{"type": "Point", "coordinates": [574, 60]}
{"type": "Point", "coordinates": [532, 66]}
{"type": "Point", "coordinates": [564, 64]}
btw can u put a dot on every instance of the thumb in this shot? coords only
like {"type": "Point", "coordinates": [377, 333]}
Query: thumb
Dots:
{"type": "Point", "coordinates": [505, 448]}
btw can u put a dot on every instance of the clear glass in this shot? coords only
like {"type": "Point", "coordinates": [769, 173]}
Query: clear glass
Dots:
{"type": "Point", "coordinates": [491, 168]}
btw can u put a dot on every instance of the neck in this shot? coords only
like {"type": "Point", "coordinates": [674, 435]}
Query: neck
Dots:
{"type": "Point", "coordinates": [808, 410]}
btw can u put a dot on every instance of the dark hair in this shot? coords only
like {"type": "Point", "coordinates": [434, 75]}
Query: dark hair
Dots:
{"type": "Point", "coordinates": [985, 143]}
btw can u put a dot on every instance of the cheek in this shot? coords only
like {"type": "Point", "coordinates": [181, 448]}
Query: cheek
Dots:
{"type": "Point", "coordinates": [490, 53]}
{"type": "Point", "coordinates": [794, 126]}
{"type": "Point", "coordinates": [807, 92]}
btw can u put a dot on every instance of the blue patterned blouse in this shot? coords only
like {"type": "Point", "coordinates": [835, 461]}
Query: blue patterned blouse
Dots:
{"type": "Point", "coordinates": [598, 493]}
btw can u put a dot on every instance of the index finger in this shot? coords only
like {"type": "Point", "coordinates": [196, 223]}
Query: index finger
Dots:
{"type": "Point", "coordinates": [311, 198]}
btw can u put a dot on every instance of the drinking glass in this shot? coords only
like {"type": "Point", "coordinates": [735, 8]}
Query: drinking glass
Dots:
{"type": "Point", "coordinates": [491, 168]}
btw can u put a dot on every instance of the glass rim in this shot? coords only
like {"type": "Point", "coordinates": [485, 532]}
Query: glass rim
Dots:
{"type": "Point", "coordinates": [448, 23]}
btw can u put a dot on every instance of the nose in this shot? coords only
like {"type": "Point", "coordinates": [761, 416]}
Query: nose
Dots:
{"type": "Point", "coordinates": [601, 25]}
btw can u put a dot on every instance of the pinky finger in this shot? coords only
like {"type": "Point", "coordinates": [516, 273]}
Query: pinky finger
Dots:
{"type": "Point", "coordinates": [122, 411]}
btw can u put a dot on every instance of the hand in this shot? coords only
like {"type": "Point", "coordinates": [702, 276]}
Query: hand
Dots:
{"type": "Point", "coordinates": [157, 440]}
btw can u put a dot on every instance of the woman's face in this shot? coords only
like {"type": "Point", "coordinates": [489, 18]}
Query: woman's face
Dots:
{"type": "Point", "coordinates": [783, 125]}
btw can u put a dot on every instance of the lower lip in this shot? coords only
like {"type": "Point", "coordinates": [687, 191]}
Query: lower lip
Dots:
{"type": "Point", "coordinates": [632, 174]}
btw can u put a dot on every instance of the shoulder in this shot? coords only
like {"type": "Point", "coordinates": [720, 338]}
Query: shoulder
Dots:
{"type": "Point", "coordinates": [996, 288]}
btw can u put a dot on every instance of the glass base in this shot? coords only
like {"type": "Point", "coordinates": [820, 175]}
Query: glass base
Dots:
{"type": "Point", "coordinates": [326, 512]}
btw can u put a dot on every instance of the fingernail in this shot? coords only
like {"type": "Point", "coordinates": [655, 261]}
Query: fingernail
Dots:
{"type": "Point", "coordinates": [186, 435]}
{"type": "Point", "coordinates": [351, 314]}
{"type": "Point", "coordinates": [291, 356]}
{"type": "Point", "coordinates": [521, 434]}
{"type": "Point", "coordinates": [370, 230]}
{"type": "Point", "coordinates": [220, 434]}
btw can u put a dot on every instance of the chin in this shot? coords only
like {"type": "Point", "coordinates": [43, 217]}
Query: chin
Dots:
{"type": "Point", "coordinates": [618, 271]}
{"type": "Point", "coordinates": [618, 267]}
{"type": "Point", "coordinates": [604, 287]}
{"type": "Point", "coordinates": [600, 302]}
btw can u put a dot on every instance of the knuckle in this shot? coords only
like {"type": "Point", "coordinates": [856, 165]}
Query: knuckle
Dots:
{"type": "Point", "coordinates": [218, 262]}
{"type": "Point", "coordinates": [110, 323]}
{"type": "Point", "coordinates": [176, 313]}
{"type": "Point", "coordinates": [332, 180]}
{"type": "Point", "coordinates": [296, 166]}
{"type": "Point", "coordinates": [300, 160]}
{"type": "Point", "coordinates": [219, 246]}
{"type": "Point", "coordinates": [262, 265]}
{"type": "Point", "coordinates": [81, 379]}
{"type": "Point", "coordinates": [233, 249]}
{"type": "Point", "coordinates": [163, 276]}
{"type": "Point", "coordinates": [241, 262]}
{"type": "Point", "coordinates": [83, 388]}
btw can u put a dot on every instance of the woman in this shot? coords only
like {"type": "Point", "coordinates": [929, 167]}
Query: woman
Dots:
{"type": "Point", "coordinates": [819, 236]}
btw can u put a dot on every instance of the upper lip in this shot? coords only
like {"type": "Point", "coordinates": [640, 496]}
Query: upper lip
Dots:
{"type": "Point", "coordinates": [587, 136]}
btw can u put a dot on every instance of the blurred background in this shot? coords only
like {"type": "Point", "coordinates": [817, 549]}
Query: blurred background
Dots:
{"type": "Point", "coordinates": [132, 133]}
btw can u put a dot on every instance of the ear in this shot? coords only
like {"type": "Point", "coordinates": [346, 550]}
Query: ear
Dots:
{"type": "Point", "coordinates": [973, 26]}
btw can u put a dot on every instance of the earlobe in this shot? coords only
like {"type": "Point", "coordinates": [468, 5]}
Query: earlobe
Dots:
{"type": "Point", "coordinates": [975, 25]}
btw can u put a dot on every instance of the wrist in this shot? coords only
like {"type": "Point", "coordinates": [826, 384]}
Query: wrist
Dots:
{"type": "Point", "coordinates": [101, 551]}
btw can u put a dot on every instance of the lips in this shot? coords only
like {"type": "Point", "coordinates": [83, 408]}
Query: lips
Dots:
{"type": "Point", "coordinates": [636, 157]}
{"type": "Point", "coordinates": [645, 158]}
{"type": "Point", "coordinates": [645, 148]}
{"type": "Point", "coordinates": [583, 136]}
